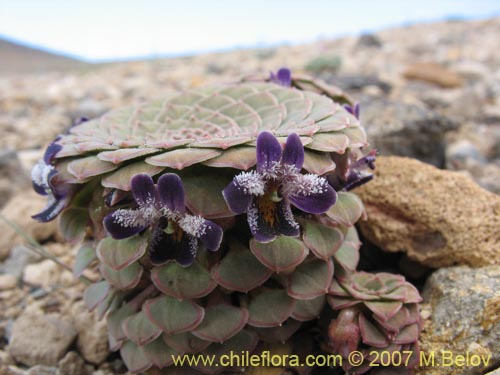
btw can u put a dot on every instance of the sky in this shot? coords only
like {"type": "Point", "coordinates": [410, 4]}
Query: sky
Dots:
{"type": "Point", "coordinates": [101, 30]}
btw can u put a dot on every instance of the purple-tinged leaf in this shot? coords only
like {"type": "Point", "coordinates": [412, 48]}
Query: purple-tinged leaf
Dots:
{"type": "Point", "coordinates": [322, 240]}
{"type": "Point", "coordinates": [115, 320]}
{"type": "Point", "coordinates": [174, 316]}
{"type": "Point", "coordinates": [284, 253]}
{"type": "Point", "coordinates": [408, 335]}
{"type": "Point", "coordinates": [185, 342]}
{"type": "Point", "coordinates": [339, 303]}
{"type": "Point", "coordinates": [95, 294]}
{"type": "Point", "coordinates": [221, 322]}
{"type": "Point", "coordinates": [134, 358]}
{"type": "Point", "coordinates": [370, 334]}
{"type": "Point", "coordinates": [89, 166]}
{"type": "Point", "coordinates": [159, 353]}
{"type": "Point", "coordinates": [318, 163]}
{"type": "Point", "coordinates": [261, 315]}
{"type": "Point", "coordinates": [120, 179]}
{"type": "Point", "coordinates": [305, 310]}
{"type": "Point", "coordinates": [140, 329]}
{"type": "Point", "coordinates": [203, 193]}
{"type": "Point", "coordinates": [385, 310]}
{"type": "Point", "coordinates": [126, 278]}
{"type": "Point", "coordinates": [239, 270]}
{"type": "Point", "coordinates": [73, 223]}
{"type": "Point", "coordinates": [125, 154]}
{"type": "Point", "coordinates": [329, 142]}
{"type": "Point", "coordinates": [241, 158]}
{"type": "Point", "coordinates": [182, 158]}
{"type": "Point", "coordinates": [311, 279]}
{"type": "Point", "coordinates": [347, 210]}
{"type": "Point", "coordinates": [84, 257]}
{"type": "Point", "coordinates": [119, 254]}
{"type": "Point", "coordinates": [279, 333]}
{"type": "Point", "coordinates": [183, 282]}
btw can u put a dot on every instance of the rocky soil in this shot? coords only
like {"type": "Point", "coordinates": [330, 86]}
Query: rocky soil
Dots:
{"type": "Point", "coordinates": [429, 91]}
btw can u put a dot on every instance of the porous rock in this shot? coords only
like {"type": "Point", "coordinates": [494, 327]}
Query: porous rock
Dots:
{"type": "Point", "coordinates": [19, 211]}
{"type": "Point", "coordinates": [40, 338]}
{"type": "Point", "coordinates": [439, 218]}
{"type": "Point", "coordinates": [464, 320]}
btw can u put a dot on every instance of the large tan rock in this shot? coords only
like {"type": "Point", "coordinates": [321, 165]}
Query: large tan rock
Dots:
{"type": "Point", "coordinates": [19, 210]}
{"type": "Point", "coordinates": [439, 218]}
{"type": "Point", "coordinates": [433, 73]}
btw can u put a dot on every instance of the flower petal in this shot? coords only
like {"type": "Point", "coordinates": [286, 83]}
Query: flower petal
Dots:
{"type": "Point", "coordinates": [144, 190]}
{"type": "Point", "coordinates": [51, 151]}
{"type": "Point", "coordinates": [212, 237]}
{"type": "Point", "coordinates": [54, 208]}
{"type": "Point", "coordinates": [293, 153]}
{"type": "Point", "coordinates": [164, 247]}
{"type": "Point", "coordinates": [115, 226]}
{"type": "Point", "coordinates": [265, 228]}
{"type": "Point", "coordinates": [237, 200]}
{"type": "Point", "coordinates": [171, 192]}
{"type": "Point", "coordinates": [283, 77]}
{"type": "Point", "coordinates": [268, 151]}
{"type": "Point", "coordinates": [315, 203]}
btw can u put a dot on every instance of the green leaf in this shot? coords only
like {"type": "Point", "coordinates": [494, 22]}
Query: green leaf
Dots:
{"type": "Point", "coordinates": [284, 253]}
{"type": "Point", "coordinates": [311, 279]}
{"type": "Point", "coordinates": [270, 308]}
{"type": "Point", "coordinates": [204, 192]}
{"type": "Point", "coordinates": [221, 322]}
{"type": "Point", "coordinates": [244, 341]}
{"type": "Point", "coordinates": [115, 319]}
{"type": "Point", "coordinates": [305, 310]}
{"type": "Point", "coordinates": [385, 310]}
{"type": "Point", "coordinates": [174, 316]}
{"type": "Point", "coordinates": [95, 294]}
{"type": "Point", "coordinates": [347, 257]}
{"type": "Point", "coordinates": [73, 223]}
{"type": "Point", "coordinates": [134, 357]}
{"type": "Point", "coordinates": [140, 329]}
{"type": "Point", "coordinates": [370, 333]}
{"type": "Point", "coordinates": [84, 257]}
{"type": "Point", "coordinates": [329, 142]}
{"type": "Point", "coordinates": [237, 157]}
{"type": "Point", "coordinates": [121, 178]}
{"type": "Point", "coordinates": [182, 157]}
{"type": "Point", "coordinates": [183, 282]}
{"type": "Point", "coordinates": [318, 163]}
{"type": "Point", "coordinates": [159, 353]}
{"type": "Point", "coordinates": [125, 154]}
{"type": "Point", "coordinates": [185, 342]}
{"type": "Point", "coordinates": [239, 270]}
{"type": "Point", "coordinates": [89, 166]}
{"type": "Point", "coordinates": [347, 210]}
{"type": "Point", "coordinates": [126, 278]}
{"type": "Point", "coordinates": [119, 254]}
{"type": "Point", "coordinates": [279, 333]}
{"type": "Point", "coordinates": [322, 240]}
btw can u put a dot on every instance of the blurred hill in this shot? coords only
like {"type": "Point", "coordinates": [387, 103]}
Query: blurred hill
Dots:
{"type": "Point", "coordinates": [16, 58]}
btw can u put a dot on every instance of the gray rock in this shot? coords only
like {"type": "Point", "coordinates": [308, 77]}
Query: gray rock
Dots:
{"type": "Point", "coordinates": [19, 258]}
{"type": "Point", "coordinates": [42, 370]}
{"type": "Point", "coordinates": [92, 342]}
{"type": "Point", "coordinates": [410, 130]}
{"type": "Point", "coordinates": [72, 364]}
{"type": "Point", "coordinates": [12, 175]}
{"type": "Point", "coordinates": [39, 338]}
{"type": "Point", "coordinates": [369, 40]}
{"type": "Point", "coordinates": [465, 318]}
{"type": "Point", "coordinates": [359, 81]}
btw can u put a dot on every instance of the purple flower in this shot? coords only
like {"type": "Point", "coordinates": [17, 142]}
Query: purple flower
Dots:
{"type": "Point", "coordinates": [352, 173]}
{"type": "Point", "coordinates": [175, 234]}
{"type": "Point", "coordinates": [266, 194]}
{"type": "Point", "coordinates": [353, 110]}
{"type": "Point", "coordinates": [47, 182]}
{"type": "Point", "coordinates": [283, 77]}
